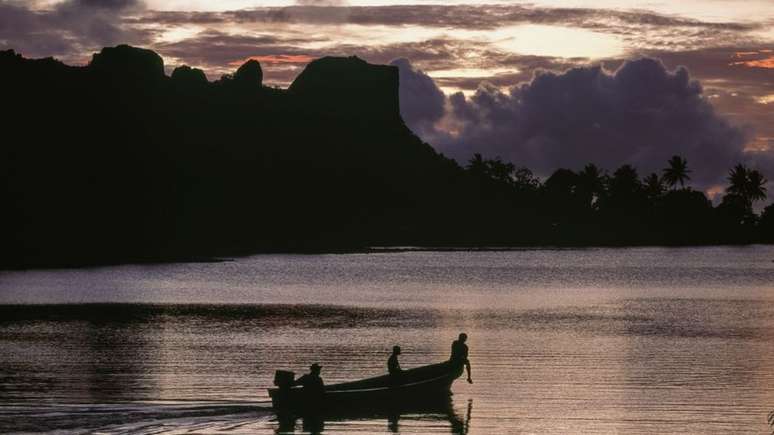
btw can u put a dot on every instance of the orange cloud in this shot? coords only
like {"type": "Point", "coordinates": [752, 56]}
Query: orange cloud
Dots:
{"type": "Point", "coordinates": [276, 59]}
{"type": "Point", "coordinates": [765, 99]}
{"type": "Point", "coordinates": [764, 59]}
{"type": "Point", "coordinates": [761, 63]}
{"type": "Point", "coordinates": [760, 144]}
{"type": "Point", "coordinates": [758, 63]}
{"type": "Point", "coordinates": [715, 191]}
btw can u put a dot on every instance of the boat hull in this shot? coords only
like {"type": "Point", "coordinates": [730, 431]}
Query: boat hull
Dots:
{"type": "Point", "coordinates": [426, 384]}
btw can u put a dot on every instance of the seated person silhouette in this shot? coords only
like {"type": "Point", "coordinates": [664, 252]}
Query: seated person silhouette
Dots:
{"type": "Point", "coordinates": [459, 353]}
{"type": "Point", "coordinates": [314, 388]}
{"type": "Point", "coordinates": [393, 366]}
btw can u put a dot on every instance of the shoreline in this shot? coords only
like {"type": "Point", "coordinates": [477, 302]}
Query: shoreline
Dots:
{"type": "Point", "coordinates": [343, 251]}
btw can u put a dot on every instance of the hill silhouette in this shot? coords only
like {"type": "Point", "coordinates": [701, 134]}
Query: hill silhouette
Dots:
{"type": "Point", "coordinates": [117, 162]}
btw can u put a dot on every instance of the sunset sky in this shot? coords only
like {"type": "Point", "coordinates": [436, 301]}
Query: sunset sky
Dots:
{"type": "Point", "coordinates": [467, 67]}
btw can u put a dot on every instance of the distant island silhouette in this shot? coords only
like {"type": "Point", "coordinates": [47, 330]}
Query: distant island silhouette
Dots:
{"type": "Point", "coordinates": [117, 162]}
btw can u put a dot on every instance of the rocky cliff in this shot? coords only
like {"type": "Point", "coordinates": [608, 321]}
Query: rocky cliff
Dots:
{"type": "Point", "coordinates": [115, 161]}
{"type": "Point", "coordinates": [350, 87]}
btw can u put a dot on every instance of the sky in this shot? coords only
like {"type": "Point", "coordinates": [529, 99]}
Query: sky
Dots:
{"type": "Point", "coordinates": [544, 84]}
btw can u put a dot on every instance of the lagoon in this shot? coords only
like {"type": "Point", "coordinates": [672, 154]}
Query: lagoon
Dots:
{"type": "Point", "coordinates": [599, 340]}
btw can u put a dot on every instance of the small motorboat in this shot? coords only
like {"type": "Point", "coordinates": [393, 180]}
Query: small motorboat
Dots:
{"type": "Point", "coordinates": [418, 385]}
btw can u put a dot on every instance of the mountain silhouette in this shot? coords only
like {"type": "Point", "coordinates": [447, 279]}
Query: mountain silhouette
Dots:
{"type": "Point", "coordinates": [117, 162]}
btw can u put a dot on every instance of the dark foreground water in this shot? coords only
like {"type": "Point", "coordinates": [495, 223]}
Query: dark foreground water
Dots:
{"type": "Point", "coordinates": [562, 341]}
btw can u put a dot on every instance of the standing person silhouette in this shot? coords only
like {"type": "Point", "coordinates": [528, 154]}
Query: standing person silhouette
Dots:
{"type": "Point", "coordinates": [314, 388]}
{"type": "Point", "coordinates": [459, 353]}
{"type": "Point", "coordinates": [393, 366]}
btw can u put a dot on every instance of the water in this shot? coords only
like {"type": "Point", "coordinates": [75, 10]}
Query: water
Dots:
{"type": "Point", "coordinates": [646, 340]}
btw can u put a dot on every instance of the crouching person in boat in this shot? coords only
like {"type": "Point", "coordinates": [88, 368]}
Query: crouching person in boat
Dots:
{"type": "Point", "coordinates": [393, 366]}
{"type": "Point", "coordinates": [459, 354]}
{"type": "Point", "coordinates": [314, 388]}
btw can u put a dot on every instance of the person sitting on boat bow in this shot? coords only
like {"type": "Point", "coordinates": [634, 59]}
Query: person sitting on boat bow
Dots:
{"type": "Point", "coordinates": [312, 382]}
{"type": "Point", "coordinates": [393, 366]}
{"type": "Point", "coordinates": [459, 353]}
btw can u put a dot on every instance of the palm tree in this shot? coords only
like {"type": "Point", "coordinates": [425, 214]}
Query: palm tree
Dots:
{"type": "Point", "coordinates": [592, 178]}
{"type": "Point", "coordinates": [476, 165]}
{"type": "Point", "coordinates": [591, 184]}
{"type": "Point", "coordinates": [677, 172]}
{"type": "Point", "coordinates": [653, 185]}
{"type": "Point", "coordinates": [756, 190]}
{"type": "Point", "coordinates": [737, 178]}
{"type": "Point", "coordinates": [746, 183]}
{"type": "Point", "coordinates": [625, 182]}
{"type": "Point", "coordinates": [525, 181]}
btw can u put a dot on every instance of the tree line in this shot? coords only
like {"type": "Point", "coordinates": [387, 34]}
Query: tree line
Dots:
{"type": "Point", "coordinates": [596, 207]}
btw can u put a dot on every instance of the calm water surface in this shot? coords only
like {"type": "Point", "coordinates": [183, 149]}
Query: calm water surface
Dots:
{"type": "Point", "coordinates": [647, 340]}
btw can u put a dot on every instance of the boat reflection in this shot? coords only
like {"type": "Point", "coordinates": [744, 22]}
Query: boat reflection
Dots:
{"type": "Point", "coordinates": [393, 417]}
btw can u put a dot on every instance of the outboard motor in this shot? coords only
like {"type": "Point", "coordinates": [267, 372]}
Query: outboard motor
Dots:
{"type": "Point", "coordinates": [283, 379]}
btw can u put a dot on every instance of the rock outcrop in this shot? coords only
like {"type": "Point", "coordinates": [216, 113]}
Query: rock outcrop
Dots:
{"type": "Point", "coordinates": [350, 87]}
{"type": "Point", "coordinates": [249, 74]}
{"type": "Point", "coordinates": [128, 63]}
{"type": "Point", "coordinates": [188, 77]}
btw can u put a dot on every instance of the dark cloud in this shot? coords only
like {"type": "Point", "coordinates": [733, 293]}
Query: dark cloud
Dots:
{"type": "Point", "coordinates": [735, 89]}
{"type": "Point", "coordinates": [71, 29]}
{"type": "Point", "coordinates": [103, 4]}
{"type": "Point", "coordinates": [431, 54]}
{"type": "Point", "coordinates": [482, 17]}
{"type": "Point", "coordinates": [641, 114]}
{"type": "Point", "coordinates": [217, 52]}
{"type": "Point", "coordinates": [719, 63]}
{"type": "Point", "coordinates": [214, 50]}
{"type": "Point", "coordinates": [638, 28]}
{"type": "Point", "coordinates": [421, 101]}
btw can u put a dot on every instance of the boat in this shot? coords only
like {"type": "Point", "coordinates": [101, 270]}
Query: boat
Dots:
{"type": "Point", "coordinates": [424, 384]}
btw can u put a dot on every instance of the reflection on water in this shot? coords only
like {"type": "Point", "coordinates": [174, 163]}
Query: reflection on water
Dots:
{"type": "Point", "coordinates": [439, 416]}
{"type": "Point", "coordinates": [561, 341]}
{"type": "Point", "coordinates": [135, 417]}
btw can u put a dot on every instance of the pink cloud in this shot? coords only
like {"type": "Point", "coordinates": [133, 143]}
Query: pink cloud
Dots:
{"type": "Point", "coordinates": [276, 59]}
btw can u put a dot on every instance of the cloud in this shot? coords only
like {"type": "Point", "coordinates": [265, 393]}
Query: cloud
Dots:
{"type": "Point", "coordinates": [276, 59]}
{"type": "Point", "coordinates": [70, 29]}
{"type": "Point", "coordinates": [639, 28]}
{"type": "Point", "coordinates": [738, 92]}
{"type": "Point", "coordinates": [640, 114]}
{"type": "Point", "coordinates": [103, 4]}
{"type": "Point", "coordinates": [755, 59]}
{"type": "Point", "coordinates": [321, 2]}
{"type": "Point", "coordinates": [459, 16]}
{"type": "Point", "coordinates": [421, 101]}
{"type": "Point", "coordinates": [217, 53]}
{"type": "Point", "coordinates": [213, 50]}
